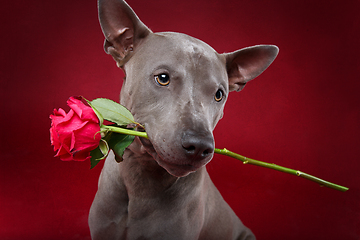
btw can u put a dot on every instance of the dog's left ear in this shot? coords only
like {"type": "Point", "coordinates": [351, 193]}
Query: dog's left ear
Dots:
{"type": "Point", "coordinates": [248, 63]}
{"type": "Point", "coordinates": [122, 29]}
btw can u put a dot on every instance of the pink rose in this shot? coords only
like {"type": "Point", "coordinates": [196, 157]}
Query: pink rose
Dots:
{"type": "Point", "coordinates": [74, 134]}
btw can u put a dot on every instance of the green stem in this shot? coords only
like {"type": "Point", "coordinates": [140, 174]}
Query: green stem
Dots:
{"type": "Point", "coordinates": [125, 131]}
{"type": "Point", "coordinates": [245, 160]}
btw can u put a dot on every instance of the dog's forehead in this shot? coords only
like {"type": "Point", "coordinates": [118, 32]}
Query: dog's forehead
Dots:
{"type": "Point", "coordinates": [177, 51]}
{"type": "Point", "coordinates": [178, 45]}
{"type": "Point", "coordinates": [188, 45]}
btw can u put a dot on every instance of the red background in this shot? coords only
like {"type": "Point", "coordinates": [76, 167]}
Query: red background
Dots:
{"type": "Point", "coordinates": [302, 113]}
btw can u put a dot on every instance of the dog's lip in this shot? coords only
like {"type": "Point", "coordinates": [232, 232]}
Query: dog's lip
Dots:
{"type": "Point", "coordinates": [175, 169]}
{"type": "Point", "coordinates": [185, 166]}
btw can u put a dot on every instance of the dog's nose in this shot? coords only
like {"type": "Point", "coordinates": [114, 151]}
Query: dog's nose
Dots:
{"type": "Point", "coordinates": [197, 146]}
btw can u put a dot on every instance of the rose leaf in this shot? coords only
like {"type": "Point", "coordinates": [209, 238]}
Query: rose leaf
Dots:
{"type": "Point", "coordinates": [112, 111]}
{"type": "Point", "coordinates": [118, 143]}
{"type": "Point", "coordinates": [99, 153]}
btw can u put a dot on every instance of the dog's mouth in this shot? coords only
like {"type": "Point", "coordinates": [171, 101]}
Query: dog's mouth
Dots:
{"type": "Point", "coordinates": [177, 168]}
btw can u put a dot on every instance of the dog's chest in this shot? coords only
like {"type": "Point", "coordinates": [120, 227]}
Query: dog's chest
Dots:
{"type": "Point", "coordinates": [153, 219]}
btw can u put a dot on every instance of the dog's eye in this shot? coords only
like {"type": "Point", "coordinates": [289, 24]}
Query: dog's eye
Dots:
{"type": "Point", "coordinates": [219, 95]}
{"type": "Point", "coordinates": [163, 79]}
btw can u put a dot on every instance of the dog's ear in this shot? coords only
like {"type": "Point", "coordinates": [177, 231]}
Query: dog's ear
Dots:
{"type": "Point", "coordinates": [248, 63]}
{"type": "Point", "coordinates": [122, 29]}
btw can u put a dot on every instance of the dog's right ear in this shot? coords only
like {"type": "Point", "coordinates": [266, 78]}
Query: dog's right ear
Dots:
{"type": "Point", "coordinates": [122, 29]}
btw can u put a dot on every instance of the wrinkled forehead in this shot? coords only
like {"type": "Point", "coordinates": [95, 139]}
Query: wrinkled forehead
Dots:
{"type": "Point", "coordinates": [184, 44]}
{"type": "Point", "coordinates": [177, 48]}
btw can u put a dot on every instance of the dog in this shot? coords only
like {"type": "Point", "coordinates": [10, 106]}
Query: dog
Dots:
{"type": "Point", "coordinates": [176, 87]}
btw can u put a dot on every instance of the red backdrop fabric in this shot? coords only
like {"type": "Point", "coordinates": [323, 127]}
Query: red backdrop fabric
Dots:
{"type": "Point", "coordinates": [302, 112]}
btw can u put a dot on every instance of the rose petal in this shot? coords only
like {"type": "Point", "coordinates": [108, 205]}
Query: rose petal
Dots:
{"type": "Point", "coordinates": [66, 157]}
{"type": "Point", "coordinates": [64, 154]}
{"type": "Point", "coordinates": [60, 112]}
{"type": "Point", "coordinates": [54, 138]}
{"type": "Point", "coordinates": [74, 134]}
{"type": "Point", "coordinates": [65, 129]}
{"type": "Point", "coordinates": [65, 140]}
{"type": "Point", "coordinates": [81, 155]}
{"type": "Point", "coordinates": [60, 117]}
{"type": "Point", "coordinates": [72, 143]}
{"type": "Point", "coordinates": [87, 137]}
{"type": "Point", "coordinates": [85, 146]}
{"type": "Point", "coordinates": [83, 111]}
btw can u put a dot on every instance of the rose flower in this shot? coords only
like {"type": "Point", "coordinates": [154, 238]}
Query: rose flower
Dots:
{"type": "Point", "coordinates": [74, 134]}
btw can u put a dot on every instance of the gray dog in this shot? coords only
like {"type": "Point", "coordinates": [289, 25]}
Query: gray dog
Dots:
{"type": "Point", "coordinates": [176, 86]}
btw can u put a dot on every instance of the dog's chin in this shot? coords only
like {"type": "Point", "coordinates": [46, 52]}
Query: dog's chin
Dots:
{"type": "Point", "coordinates": [175, 169]}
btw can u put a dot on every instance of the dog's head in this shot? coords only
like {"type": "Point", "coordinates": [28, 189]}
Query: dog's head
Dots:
{"type": "Point", "coordinates": [176, 85]}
